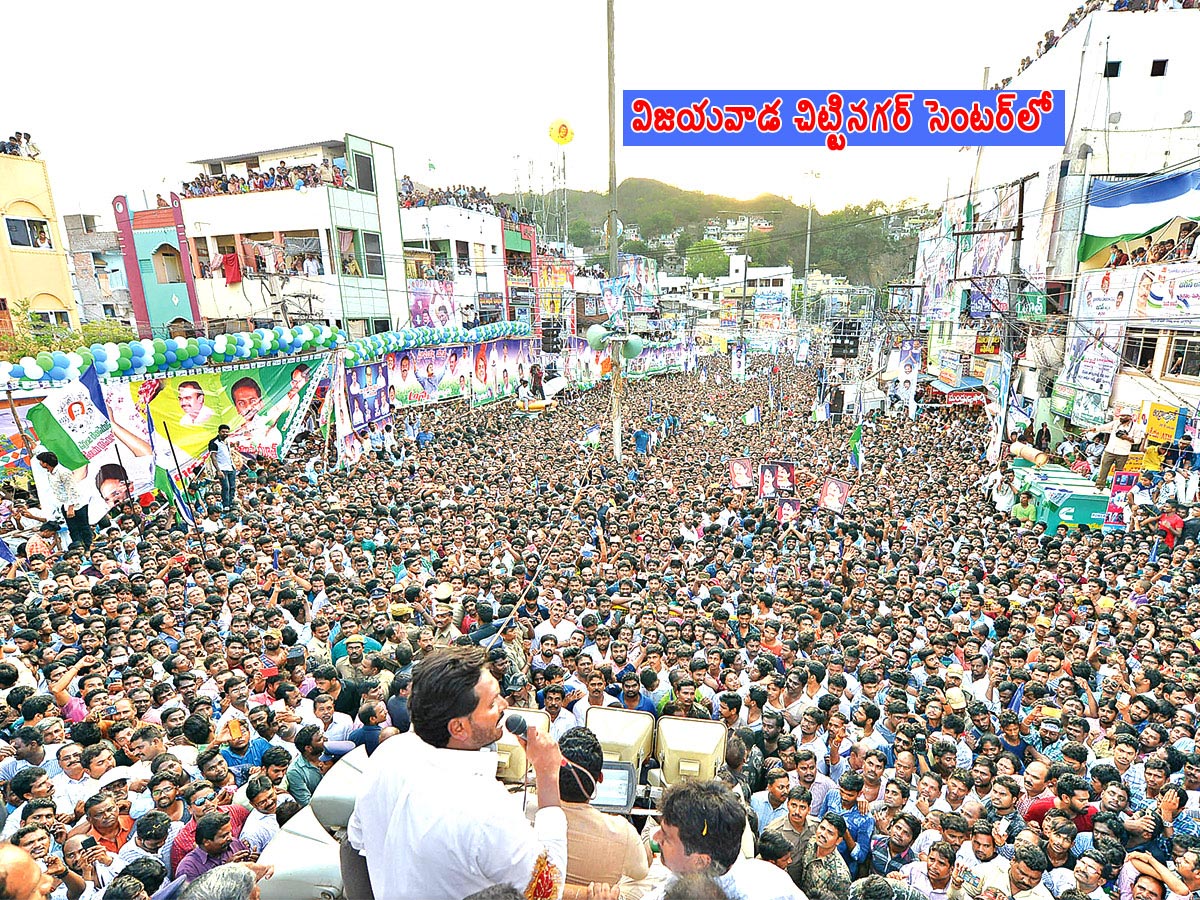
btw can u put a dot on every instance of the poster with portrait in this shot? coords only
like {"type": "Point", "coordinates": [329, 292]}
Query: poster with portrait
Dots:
{"type": "Point", "coordinates": [497, 368]}
{"type": "Point", "coordinates": [785, 477]}
{"type": "Point", "coordinates": [264, 405]}
{"type": "Point", "coordinates": [910, 357]}
{"type": "Point", "coordinates": [614, 296]}
{"type": "Point", "coordinates": [1114, 515]}
{"type": "Point", "coordinates": [108, 463]}
{"type": "Point", "coordinates": [349, 446]}
{"type": "Point", "coordinates": [367, 390]}
{"type": "Point", "coordinates": [741, 473]}
{"type": "Point", "coordinates": [737, 362]}
{"type": "Point", "coordinates": [834, 495]}
{"type": "Point", "coordinates": [789, 511]}
{"type": "Point", "coordinates": [583, 367]}
{"type": "Point", "coordinates": [431, 304]}
{"type": "Point", "coordinates": [427, 375]}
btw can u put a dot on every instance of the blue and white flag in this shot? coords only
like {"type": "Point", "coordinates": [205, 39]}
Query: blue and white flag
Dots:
{"type": "Point", "coordinates": [752, 416]}
{"type": "Point", "coordinates": [591, 437]}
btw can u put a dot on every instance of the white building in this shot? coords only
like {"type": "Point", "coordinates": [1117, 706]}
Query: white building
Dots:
{"type": "Point", "coordinates": [328, 253]}
{"type": "Point", "coordinates": [465, 244]}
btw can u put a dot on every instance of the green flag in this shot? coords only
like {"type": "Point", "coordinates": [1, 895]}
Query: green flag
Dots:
{"type": "Point", "coordinates": [55, 438]}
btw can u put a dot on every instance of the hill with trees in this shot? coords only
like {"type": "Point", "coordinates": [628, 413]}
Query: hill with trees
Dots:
{"type": "Point", "coordinates": [854, 241]}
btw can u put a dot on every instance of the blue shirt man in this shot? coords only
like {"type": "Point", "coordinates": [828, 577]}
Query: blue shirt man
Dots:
{"type": "Point", "coordinates": [859, 826]}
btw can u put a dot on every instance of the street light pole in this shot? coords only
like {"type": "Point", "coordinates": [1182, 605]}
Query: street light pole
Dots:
{"type": "Point", "coordinates": [808, 231]}
{"type": "Point", "coordinates": [614, 348]}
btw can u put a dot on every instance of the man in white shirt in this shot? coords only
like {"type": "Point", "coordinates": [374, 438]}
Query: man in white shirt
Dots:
{"type": "Point", "coordinates": [562, 719]}
{"type": "Point", "coordinates": [1118, 448]}
{"type": "Point", "coordinates": [429, 800]}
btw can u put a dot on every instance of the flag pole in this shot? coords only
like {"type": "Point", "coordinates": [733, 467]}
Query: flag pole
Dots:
{"type": "Point", "coordinates": [186, 502]}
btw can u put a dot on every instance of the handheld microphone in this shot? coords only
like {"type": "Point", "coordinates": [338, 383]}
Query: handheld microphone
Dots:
{"type": "Point", "coordinates": [516, 725]}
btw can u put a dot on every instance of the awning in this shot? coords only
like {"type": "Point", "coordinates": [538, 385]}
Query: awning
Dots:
{"type": "Point", "coordinates": [966, 383]}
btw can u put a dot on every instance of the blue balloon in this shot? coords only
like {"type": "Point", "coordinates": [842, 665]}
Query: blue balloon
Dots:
{"type": "Point", "coordinates": [170, 355]}
{"type": "Point", "coordinates": [18, 371]}
{"type": "Point", "coordinates": [172, 344]}
{"type": "Point", "coordinates": [57, 373]}
{"type": "Point", "coordinates": [99, 354]}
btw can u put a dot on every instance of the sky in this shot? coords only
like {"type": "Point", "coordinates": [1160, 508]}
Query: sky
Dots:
{"type": "Point", "coordinates": [121, 102]}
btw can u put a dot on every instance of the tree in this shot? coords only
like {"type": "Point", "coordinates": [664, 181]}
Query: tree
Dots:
{"type": "Point", "coordinates": [580, 234]}
{"type": "Point", "coordinates": [658, 223]}
{"type": "Point", "coordinates": [683, 241]}
{"type": "Point", "coordinates": [707, 258]}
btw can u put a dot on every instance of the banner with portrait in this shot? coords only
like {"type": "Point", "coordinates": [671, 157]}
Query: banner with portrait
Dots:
{"type": "Point", "coordinates": [614, 296]}
{"type": "Point", "coordinates": [428, 375]}
{"type": "Point", "coordinates": [555, 279]}
{"type": "Point", "coordinates": [497, 368]}
{"type": "Point", "coordinates": [642, 286]}
{"type": "Point", "coordinates": [1114, 515]}
{"type": "Point", "coordinates": [263, 403]}
{"type": "Point", "coordinates": [431, 304]}
{"type": "Point", "coordinates": [583, 367]}
{"type": "Point", "coordinates": [349, 446]}
{"type": "Point", "coordinates": [108, 463]}
{"type": "Point", "coordinates": [367, 393]}
{"type": "Point", "coordinates": [910, 356]}
{"type": "Point", "coordinates": [662, 359]}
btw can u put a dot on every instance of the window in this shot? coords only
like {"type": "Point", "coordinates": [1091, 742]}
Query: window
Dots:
{"type": "Point", "coordinates": [348, 252]}
{"type": "Point", "coordinates": [1183, 360]}
{"type": "Point", "coordinates": [29, 233]}
{"type": "Point", "coordinates": [167, 268]}
{"type": "Point", "coordinates": [1112, 68]}
{"type": "Point", "coordinates": [57, 319]}
{"type": "Point", "coordinates": [382, 326]}
{"type": "Point", "coordinates": [364, 172]}
{"type": "Point", "coordinates": [373, 253]}
{"type": "Point", "coordinates": [1158, 68]}
{"type": "Point", "coordinates": [110, 311]}
{"type": "Point", "coordinates": [1138, 352]}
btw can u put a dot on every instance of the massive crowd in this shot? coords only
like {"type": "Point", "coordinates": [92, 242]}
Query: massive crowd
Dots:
{"type": "Point", "coordinates": [928, 695]}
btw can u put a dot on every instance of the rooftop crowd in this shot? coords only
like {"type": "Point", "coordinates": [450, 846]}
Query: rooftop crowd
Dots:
{"type": "Point", "coordinates": [1050, 39]}
{"type": "Point", "coordinates": [275, 178]}
{"type": "Point", "coordinates": [928, 695]}
{"type": "Point", "coordinates": [19, 144]}
{"type": "Point", "coordinates": [463, 196]}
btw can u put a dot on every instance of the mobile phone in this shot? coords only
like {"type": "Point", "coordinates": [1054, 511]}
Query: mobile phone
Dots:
{"type": "Point", "coordinates": [87, 843]}
{"type": "Point", "coordinates": [110, 711]}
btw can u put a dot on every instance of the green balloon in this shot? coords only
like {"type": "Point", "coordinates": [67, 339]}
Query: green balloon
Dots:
{"type": "Point", "coordinates": [124, 351]}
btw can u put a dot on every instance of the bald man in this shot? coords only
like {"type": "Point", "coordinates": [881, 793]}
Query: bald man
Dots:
{"type": "Point", "coordinates": [21, 878]}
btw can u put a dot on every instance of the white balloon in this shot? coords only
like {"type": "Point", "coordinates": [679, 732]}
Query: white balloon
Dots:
{"type": "Point", "coordinates": [34, 371]}
{"type": "Point", "coordinates": [27, 361]}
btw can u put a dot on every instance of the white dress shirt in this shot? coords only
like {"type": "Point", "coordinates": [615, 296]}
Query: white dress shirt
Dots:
{"type": "Point", "coordinates": [435, 824]}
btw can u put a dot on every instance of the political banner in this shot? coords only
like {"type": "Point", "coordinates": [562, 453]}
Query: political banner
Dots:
{"type": "Point", "coordinates": [660, 360]}
{"type": "Point", "coordinates": [108, 463]}
{"type": "Point", "coordinates": [785, 477]}
{"type": "Point", "coordinates": [583, 367]}
{"type": "Point", "coordinates": [349, 445]}
{"type": "Point", "coordinates": [1114, 516]}
{"type": "Point", "coordinates": [615, 295]}
{"type": "Point", "coordinates": [741, 473]}
{"type": "Point", "coordinates": [367, 393]}
{"type": "Point", "coordinates": [1163, 423]}
{"type": "Point", "coordinates": [555, 279]}
{"type": "Point", "coordinates": [431, 304]}
{"type": "Point", "coordinates": [987, 344]}
{"type": "Point", "coordinates": [737, 362]}
{"type": "Point", "coordinates": [497, 369]}
{"type": "Point", "coordinates": [910, 357]}
{"type": "Point", "coordinates": [264, 404]}
{"type": "Point", "coordinates": [1062, 400]}
{"type": "Point", "coordinates": [642, 275]}
{"type": "Point", "coordinates": [428, 375]}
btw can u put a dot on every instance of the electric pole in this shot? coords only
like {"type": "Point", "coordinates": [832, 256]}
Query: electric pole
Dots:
{"type": "Point", "coordinates": [614, 348]}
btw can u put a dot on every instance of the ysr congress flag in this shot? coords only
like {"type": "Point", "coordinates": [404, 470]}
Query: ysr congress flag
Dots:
{"type": "Point", "coordinates": [110, 464]}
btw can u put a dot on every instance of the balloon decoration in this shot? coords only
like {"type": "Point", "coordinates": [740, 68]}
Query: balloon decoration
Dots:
{"type": "Point", "coordinates": [169, 355]}
{"type": "Point", "coordinates": [377, 345]}
{"type": "Point", "coordinates": [152, 356]}
{"type": "Point", "coordinates": [561, 133]}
